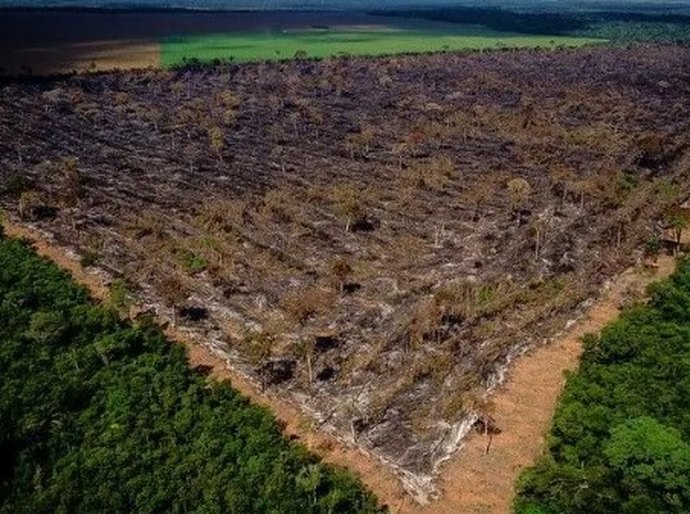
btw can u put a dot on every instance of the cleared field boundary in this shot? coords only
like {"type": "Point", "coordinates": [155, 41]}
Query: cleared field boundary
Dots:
{"type": "Point", "coordinates": [480, 482]}
{"type": "Point", "coordinates": [375, 475]}
{"type": "Point", "coordinates": [473, 481]}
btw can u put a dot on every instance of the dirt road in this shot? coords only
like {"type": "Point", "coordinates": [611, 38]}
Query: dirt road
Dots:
{"type": "Point", "coordinates": [474, 482]}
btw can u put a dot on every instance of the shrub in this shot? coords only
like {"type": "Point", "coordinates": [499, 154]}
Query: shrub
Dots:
{"type": "Point", "coordinates": [89, 258]}
{"type": "Point", "coordinates": [191, 262]}
{"type": "Point", "coordinates": [305, 303]}
{"type": "Point", "coordinates": [16, 184]}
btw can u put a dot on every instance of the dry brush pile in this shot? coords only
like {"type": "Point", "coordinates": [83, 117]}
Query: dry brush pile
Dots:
{"type": "Point", "coordinates": [373, 238]}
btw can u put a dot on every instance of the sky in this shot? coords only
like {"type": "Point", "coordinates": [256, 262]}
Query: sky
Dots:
{"type": "Point", "coordinates": [322, 4]}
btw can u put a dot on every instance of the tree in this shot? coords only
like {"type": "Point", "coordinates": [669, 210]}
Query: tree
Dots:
{"type": "Point", "coordinates": [305, 349]}
{"type": "Point", "coordinates": [191, 153]}
{"type": "Point", "coordinates": [477, 196]}
{"type": "Point", "coordinates": [228, 99]}
{"type": "Point", "coordinates": [278, 205]}
{"type": "Point", "coordinates": [317, 119]}
{"type": "Point", "coordinates": [561, 178]}
{"type": "Point", "coordinates": [295, 118]}
{"type": "Point", "coordinates": [539, 227]}
{"type": "Point", "coordinates": [29, 205]}
{"type": "Point", "coordinates": [618, 441]}
{"type": "Point", "coordinates": [400, 150]}
{"type": "Point", "coordinates": [519, 191]}
{"type": "Point", "coordinates": [527, 112]}
{"type": "Point", "coordinates": [349, 204]}
{"type": "Point", "coordinates": [425, 324]}
{"type": "Point", "coordinates": [120, 298]}
{"type": "Point", "coordinates": [652, 466]}
{"type": "Point", "coordinates": [172, 293]}
{"type": "Point", "coordinates": [341, 270]}
{"type": "Point", "coordinates": [82, 392]}
{"type": "Point", "coordinates": [431, 174]}
{"type": "Point", "coordinates": [217, 140]}
{"type": "Point", "coordinates": [259, 350]}
{"type": "Point", "coordinates": [302, 304]}
{"type": "Point", "coordinates": [278, 153]}
{"type": "Point", "coordinates": [582, 188]}
{"type": "Point", "coordinates": [485, 424]}
{"type": "Point", "coordinates": [47, 327]}
{"type": "Point", "coordinates": [309, 479]}
{"type": "Point", "coordinates": [677, 220]}
{"type": "Point", "coordinates": [652, 249]}
{"type": "Point", "coordinates": [70, 181]}
{"type": "Point", "coordinates": [360, 141]}
{"type": "Point", "coordinates": [178, 88]}
{"type": "Point", "coordinates": [154, 116]}
{"type": "Point", "coordinates": [621, 218]}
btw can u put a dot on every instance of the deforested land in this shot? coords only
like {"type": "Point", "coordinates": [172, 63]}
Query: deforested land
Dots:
{"type": "Point", "coordinates": [374, 240]}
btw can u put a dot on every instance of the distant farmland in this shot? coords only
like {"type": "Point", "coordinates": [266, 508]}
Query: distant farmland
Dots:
{"type": "Point", "coordinates": [46, 41]}
{"type": "Point", "coordinates": [61, 41]}
{"type": "Point", "coordinates": [368, 40]}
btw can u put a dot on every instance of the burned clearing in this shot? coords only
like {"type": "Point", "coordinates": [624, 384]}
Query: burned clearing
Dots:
{"type": "Point", "coordinates": [373, 239]}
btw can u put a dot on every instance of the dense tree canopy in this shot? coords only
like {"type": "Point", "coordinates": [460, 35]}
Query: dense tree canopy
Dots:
{"type": "Point", "coordinates": [620, 441]}
{"type": "Point", "coordinates": [100, 416]}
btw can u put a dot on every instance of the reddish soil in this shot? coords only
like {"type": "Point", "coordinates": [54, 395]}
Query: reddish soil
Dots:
{"type": "Point", "coordinates": [476, 482]}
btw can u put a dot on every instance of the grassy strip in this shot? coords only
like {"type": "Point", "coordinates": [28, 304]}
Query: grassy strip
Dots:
{"type": "Point", "coordinates": [620, 440]}
{"type": "Point", "coordinates": [325, 43]}
{"type": "Point", "coordinates": [97, 415]}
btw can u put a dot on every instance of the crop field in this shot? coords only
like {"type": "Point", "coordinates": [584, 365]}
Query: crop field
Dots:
{"type": "Point", "coordinates": [99, 40]}
{"type": "Point", "coordinates": [45, 41]}
{"type": "Point", "coordinates": [368, 40]}
{"type": "Point", "coordinates": [373, 240]}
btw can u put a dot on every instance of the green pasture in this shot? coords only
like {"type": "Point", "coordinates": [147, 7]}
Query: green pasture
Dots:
{"type": "Point", "coordinates": [319, 43]}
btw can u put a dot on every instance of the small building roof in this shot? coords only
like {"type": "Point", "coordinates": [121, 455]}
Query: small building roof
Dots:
{"type": "Point", "coordinates": [686, 203]}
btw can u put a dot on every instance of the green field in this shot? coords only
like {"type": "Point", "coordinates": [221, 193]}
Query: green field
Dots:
{"type": "Point", "coordinates": [319, 43]}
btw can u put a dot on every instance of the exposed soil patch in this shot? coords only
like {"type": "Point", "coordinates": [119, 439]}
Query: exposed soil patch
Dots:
{"type": "Point", "coordinates": [476, 482]}
{"type": "Point", "coordinates": [478, 202]}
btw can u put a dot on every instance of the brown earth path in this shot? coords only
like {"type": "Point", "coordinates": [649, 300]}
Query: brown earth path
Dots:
{"type": "Point", "coordinates": [472, 481]}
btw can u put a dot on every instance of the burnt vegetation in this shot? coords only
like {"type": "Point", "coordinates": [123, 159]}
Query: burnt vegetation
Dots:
{"type": "Point", "coordinates": [374, 238]}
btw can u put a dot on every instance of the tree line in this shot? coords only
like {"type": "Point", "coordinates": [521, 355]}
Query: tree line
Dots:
{"type": "Point", "coordinates": [99, 415]}
{"type": "Point", "coordinates": [620, 440]}
{"type": "Point", "coordinates": [620, 25]}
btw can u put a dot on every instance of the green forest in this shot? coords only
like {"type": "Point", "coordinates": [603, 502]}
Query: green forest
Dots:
{"type": "Point", "coordinates": [619, 26]}
{"type": "Point", "coordinates": [98, 415]}
{"type": "Point", "coordinates": [620, 440]}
